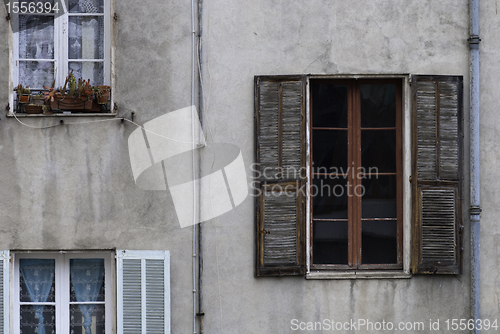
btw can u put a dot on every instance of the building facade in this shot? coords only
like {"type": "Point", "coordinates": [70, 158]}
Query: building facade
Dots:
{"type": "Point", "coordinates": [285, 86]}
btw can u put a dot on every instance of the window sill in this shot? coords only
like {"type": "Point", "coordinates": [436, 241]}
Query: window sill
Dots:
{"type": "Point", "coordinates": [357, 274]}
{"type": "Point", "coordinates": [23, 115]}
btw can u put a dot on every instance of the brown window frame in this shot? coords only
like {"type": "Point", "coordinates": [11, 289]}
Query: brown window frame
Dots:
{"type": "Point", "coordinates": [354, 159]}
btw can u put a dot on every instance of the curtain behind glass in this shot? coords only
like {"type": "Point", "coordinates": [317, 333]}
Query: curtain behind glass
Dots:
{"type": "Point", "coordinates": [87, 280]}
{"type": "Point", "coordinates": [38, 276]}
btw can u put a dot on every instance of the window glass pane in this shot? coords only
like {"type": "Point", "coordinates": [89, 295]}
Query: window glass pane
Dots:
{"type": "Point", "coordinates": [379, 242]}
{"type": "Point", "coordinates": [329, 105]}
{"type": "Point", "coordinates": [329, 196]}
{"type": "Point", "coordinates": [378, 150]}
{"type": "Point", "coordinates": [87, 280]}
{"type": "Point", "coordinates": [87, 6]}
{"type": "Point", "coordinates": [36, 74]}
{"type": "Point", "coordinates": [86, 37]}
{"type": "Point", "coordinates": [379, 199]}
{"type": "Point", "coordinates": [378, 105]}
{"type": "Point", "coordinates": [88, 70]}
{"type": "Point", "coordinates": [34, 319]}
{"type": "Point", "coordinates": [330, 242]}
{"type": "Point", "coordinates": [36, 280]}
{"type": "Point", "coordinates": [36, 37]}
{"type": "Point", "coordinates": [330, 149]}
{"type": "Point", "coordinates": [87, 319]}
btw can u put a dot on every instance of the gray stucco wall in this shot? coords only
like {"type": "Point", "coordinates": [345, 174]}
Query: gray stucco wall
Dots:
{"type": "Point", "coordinates": [322, 37]}
{"type": "Point", "coordinates": [71, 187]}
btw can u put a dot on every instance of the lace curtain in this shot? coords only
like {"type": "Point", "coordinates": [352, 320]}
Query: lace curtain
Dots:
{"type": "Point", "coordinates": [85, 41]}
{"type": "Point", "coordinates": [36, 41]}
{"type": "Point", "coordinates": [38, 278]}
{"type": "Point", "coordinates": [87, 285]}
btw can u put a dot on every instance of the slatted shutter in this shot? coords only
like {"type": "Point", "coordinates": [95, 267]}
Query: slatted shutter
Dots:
{"type": "Point", "coordinates": [4, 292]}
{"type": "Point", "coordinates": [143, 292]}
{"type": "Point", "coordinates": [280, 174]}
{"type": "Point", "coordinates": [437, 174]}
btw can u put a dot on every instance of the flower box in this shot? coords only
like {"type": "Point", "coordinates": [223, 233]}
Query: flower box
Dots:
{"type": "Point", "coordinates": [69, 103]}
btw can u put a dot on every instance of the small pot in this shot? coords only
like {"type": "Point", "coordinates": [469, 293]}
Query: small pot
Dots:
{"type": "Point", "coordinates": [103, 99]}
{"type": "Point", "coordinates": [33, 109]}
{"type": "Point", "coordinates": [24, 98]}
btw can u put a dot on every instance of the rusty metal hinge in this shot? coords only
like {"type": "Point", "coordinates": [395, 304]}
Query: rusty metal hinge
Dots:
{"type": "Point", "coordinates": [409, 179]}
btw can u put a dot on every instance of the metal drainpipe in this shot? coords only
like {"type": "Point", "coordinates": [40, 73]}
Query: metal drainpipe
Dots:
{"type": "Point", "coordinates": [475, 209]}
{"type": "Point", "coordinates": [200, 313]}
{"type": "Point", "coordinates": [193, 115]}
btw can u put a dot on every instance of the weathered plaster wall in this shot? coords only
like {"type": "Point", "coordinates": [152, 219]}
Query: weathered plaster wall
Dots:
{"type": "Point", "coordinates": [71, 187]}
{"type": "Point", "coordinates": [321, 37]}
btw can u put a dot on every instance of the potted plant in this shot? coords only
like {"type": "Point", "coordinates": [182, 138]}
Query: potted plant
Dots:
{"type": "Point", "coordinates": [23, 93]}
{"type": "Point", "coordinates": [33, 108]}
{"type": "Point", "coordinates": [79, 96]}
{"type": "Point", "coordinates": [38, 99]}
{"type": "Point", "coordinates": [101, 93]}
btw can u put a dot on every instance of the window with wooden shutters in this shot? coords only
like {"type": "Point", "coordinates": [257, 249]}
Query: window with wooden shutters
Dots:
{"type": "Point", "coordinates": [437, 174]}
{"type": "Point", "coordinates": [280, 175]}
{"type": "Point", "coordinates": [390, 129]}
{"type": "Point", "coordinates": [143, 292]}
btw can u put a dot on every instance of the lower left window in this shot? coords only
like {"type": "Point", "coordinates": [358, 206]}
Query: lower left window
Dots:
{"type": "Point", "coordinates": [62, 293]}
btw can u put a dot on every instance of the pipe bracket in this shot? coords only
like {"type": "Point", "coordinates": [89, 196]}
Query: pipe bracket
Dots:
{"type": "Point", "coordinates": [474, 41]}
{"type": "Point", "coordinates": [475, 210]}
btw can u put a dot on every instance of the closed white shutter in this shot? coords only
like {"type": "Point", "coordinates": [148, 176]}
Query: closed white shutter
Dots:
{"type": "Point", "coordinates": [4, 291]}
{"type": "Point", "coordinates": [143, 292]}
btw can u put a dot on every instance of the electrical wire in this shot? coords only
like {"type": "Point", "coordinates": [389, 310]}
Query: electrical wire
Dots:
{"type": "Point", "coordinates": [104, 120]}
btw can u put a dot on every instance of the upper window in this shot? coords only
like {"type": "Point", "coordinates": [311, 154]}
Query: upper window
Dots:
{"type": "Point", "coordinates": [49, 46]}
{"type": "Point", "coordinates": [348, 179]}
{"type": "Point", "coordinates": [57, 38]}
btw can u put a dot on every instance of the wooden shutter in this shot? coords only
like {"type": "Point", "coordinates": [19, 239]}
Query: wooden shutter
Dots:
{"type": "Point", "coordinates": [143, 292]}
{"type": "Point", "coordinates": [4, 292]}
{"type": "Point", "coordinates": [280, 175]}
{"type": "Point", "coordinates": [437, 174]}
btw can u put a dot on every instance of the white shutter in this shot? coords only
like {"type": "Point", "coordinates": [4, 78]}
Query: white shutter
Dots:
{"type": "Point", "coordinates": [143, 292]}
{"type": "Point", "coordinates": [4, 292]}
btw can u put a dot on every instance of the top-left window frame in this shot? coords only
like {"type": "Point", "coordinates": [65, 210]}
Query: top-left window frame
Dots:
{"type": "Point", "coordinates": [97, 68]}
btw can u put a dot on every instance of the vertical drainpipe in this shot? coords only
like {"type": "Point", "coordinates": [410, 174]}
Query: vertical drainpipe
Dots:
{"type": "Point", "coordinates": [195, 156]}
{"type": "Point", "coordinates": [475, 209]}
{"type": "Point", "coordinates": [200, 312]}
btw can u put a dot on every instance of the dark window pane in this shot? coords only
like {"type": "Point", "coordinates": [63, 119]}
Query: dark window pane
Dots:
{"type": "Point", "coordinates": [379, 242]}
{"type": "Point", "coordinates": [36, 318]}
{"type": "Point", "coordinates": [329, 197]}
{"type": "Point", "coordinates": [330, 242]}
{"type": "Point", "coordinates": [329, 105]}
{"type": "Point", "coordinates": [379, 199]}
{"type": "Point", "coordinates": [88, 316]}
{"type": "Point", "coordinates": [378, 105]}
{"type": "Point", "coordinates": [378, 150]}
{"type": "Point", "coordinates": [330, 149]}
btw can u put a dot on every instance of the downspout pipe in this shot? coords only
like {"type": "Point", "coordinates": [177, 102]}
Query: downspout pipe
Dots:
{"type": "Point", "coordinates": [475, 208]}
{"type": "Point", "coordinates": [200, 312]}
{"type": "Point", "coordinates": [195, 156]}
